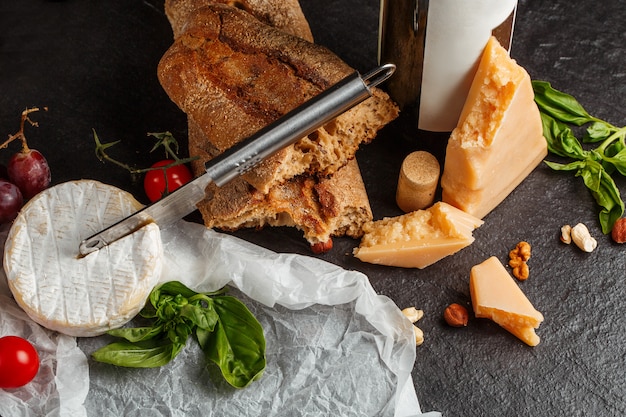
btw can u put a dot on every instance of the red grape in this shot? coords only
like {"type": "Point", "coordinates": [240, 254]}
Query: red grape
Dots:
{"type": "Point", "coordinates": [11, 201]}
{"type": "Point", "coordinates": [29, 170]}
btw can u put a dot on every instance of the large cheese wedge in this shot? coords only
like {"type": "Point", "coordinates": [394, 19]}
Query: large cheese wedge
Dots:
{"type": "Point", "coordinates": [60, 290]}
{"type": "Point", "coordinates": [496, 296]}
{"type": "Point", "coordinates": [499, 138]}
{"type": "Point", "coordinates": [417, 239]}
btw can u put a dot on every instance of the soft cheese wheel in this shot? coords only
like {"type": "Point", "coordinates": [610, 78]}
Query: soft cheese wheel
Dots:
{"type": "Point", "coordinates": [417, 239]}
{"type": "Point", "coordinates": [496, 296]}
{"type": "Point", "coordinates": [499, 137]}
{"type": "Point", "coordinates": [80, 296]}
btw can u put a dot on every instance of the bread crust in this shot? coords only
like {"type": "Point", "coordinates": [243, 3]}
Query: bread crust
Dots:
{"type": "Point", "coordinates": [285, 15]}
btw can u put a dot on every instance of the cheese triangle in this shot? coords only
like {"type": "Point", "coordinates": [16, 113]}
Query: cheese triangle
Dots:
{"type": "Point", "coordinates": [496, 296]}
{"type": "Point", "coordinates": [417, 239]}
{"type": "Point", "coordinates": [499, 137]}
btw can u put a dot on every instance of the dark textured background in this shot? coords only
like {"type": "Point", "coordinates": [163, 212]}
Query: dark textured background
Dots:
{"type": "Point", "coordinates": [93, 64]}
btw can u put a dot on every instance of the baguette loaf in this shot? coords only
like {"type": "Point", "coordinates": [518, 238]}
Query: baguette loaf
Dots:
{"type": "Point", "coordinates": [233, 75]}
{"type": "Point", "coordinates": [320, 206]}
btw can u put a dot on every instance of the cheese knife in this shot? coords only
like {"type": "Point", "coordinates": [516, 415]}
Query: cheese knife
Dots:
{"type": "Point", "coordinates": [245, 155]}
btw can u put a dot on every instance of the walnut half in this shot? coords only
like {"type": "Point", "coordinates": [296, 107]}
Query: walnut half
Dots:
{"type": "Point", "coordinates": [518, 258]}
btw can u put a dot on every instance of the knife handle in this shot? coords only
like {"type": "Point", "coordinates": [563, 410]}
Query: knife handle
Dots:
{"type": "Point", "coordinates": [295, 124]}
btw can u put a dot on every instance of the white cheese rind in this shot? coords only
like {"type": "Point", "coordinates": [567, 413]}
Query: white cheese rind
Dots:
{"type": "Point", "coordinates": [80, 296]}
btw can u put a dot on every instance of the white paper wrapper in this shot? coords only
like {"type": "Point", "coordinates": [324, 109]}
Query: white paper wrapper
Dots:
{"type": "Point", "coordinates": [334, 347]}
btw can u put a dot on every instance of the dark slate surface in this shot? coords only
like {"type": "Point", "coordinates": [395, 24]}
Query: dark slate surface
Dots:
{"type": "Point", "coordinates": [93, 64]}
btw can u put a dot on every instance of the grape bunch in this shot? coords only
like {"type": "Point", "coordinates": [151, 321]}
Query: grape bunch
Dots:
{"type": "Point", "coordinates": [26, 173]}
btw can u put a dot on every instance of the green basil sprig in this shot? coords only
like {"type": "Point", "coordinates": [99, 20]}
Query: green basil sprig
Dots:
{"type": "Point", "coordinates": [225, 329]}
{"type": "Point", "coordinates": [559, 111]}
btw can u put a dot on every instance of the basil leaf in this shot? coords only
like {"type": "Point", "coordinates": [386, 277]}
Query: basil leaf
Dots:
{"type": "Point", "coordinates": [148, 311]}
{"type": "Point", "coordinates": [167, 310]}
{"type": "Point", "coordinates": [559, 105]}
{"type": "Point", "coordinates": [597, 132]}
{"type": "Point", "coordinates": [176, 288]}
{"type": "Point", "coordinates": [179, 332]}
{"type": "Point", "coordinates": [154, 298]}
{"type": "Point", "coordinates": [618, 160]}
{"type": "Point", "coordinates": [602, 187]}
{"type": "Point", "coordinates": [203, 317]}
{"type": "Point", "coordinates": [605, 192]}
{"type": "Point", "coordinates": [608, 197]}
{"type": "Point", "coordinates": [237, 344]}
{"type": "Point", "coordinates": [171, 288]}
{"type": "Point", "coordinates": [591, 174]}
{"type": "Point", "coordinates": [561, 141]}
{"type": "Point", "coordinates": [136, 334]}
{"type": "Point", "coordinates": [572, 166]}
{"type": "Point", "coordinates": [149, 354]}
{"type": "Point", "coordinates": [614, 148]}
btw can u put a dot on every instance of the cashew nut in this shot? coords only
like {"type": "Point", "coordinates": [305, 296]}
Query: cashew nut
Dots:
{"type": "Point", "coordinates": [413, 314]}
{"type": "Point", "coordinates": [582, 238]}
{"type": "Point", "coordinates": [419, 335]}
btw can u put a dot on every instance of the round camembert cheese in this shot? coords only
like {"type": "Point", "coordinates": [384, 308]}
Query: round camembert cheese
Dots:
{"type": "Point", "coordinates": [80, 296]}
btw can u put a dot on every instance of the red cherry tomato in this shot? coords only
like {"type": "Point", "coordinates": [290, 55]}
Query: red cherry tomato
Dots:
{"type": "Point", "coordinates": [19, 362]}
{"type": "Point", "coordinates": [155, 180]}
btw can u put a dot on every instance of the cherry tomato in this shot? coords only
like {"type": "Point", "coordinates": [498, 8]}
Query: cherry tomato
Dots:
{"type": "Point", "coordinates": [19, 362]}
{"type": "Point", "coordinates": [155, 180]}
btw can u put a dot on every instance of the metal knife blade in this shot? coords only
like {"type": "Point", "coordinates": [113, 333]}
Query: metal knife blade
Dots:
{"type": "Point", "coordinates": [238, 159]}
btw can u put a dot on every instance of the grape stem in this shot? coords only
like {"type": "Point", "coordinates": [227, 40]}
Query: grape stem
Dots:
{"type": "Point", "coordinates": [20, 134]}
{"type": "Point", "coordinates": [164, 139]}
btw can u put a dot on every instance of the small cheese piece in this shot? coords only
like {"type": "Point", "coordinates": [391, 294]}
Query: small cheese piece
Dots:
{"type": "Point", "coordinates": [496, 296]}
{"type": "Point", "coordinates": [80, 296]}
{"type": "Point", "coordinates": [417, 239]}
{"type": "Point", "coordinates": [499, 137]}
{"type": "Point", "coordinates": [417, 182]}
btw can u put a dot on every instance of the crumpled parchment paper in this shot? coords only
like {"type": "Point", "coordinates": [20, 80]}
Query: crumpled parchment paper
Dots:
{"type": "Point", "coordinates": [334, 346]}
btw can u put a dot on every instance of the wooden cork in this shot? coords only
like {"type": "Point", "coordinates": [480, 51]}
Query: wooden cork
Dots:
{"type": "Point", "coordinates": [417, 184]}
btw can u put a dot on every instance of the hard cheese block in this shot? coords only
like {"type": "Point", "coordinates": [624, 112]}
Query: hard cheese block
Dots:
{"type": "Point", "coordinates": [499, 137]}
{"type": "Point", "coordinates": [417, 239]}
{"type": "Point", "coordinates": [496, 296]}
{"type": "Point", "coordinates": [80, 296]}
